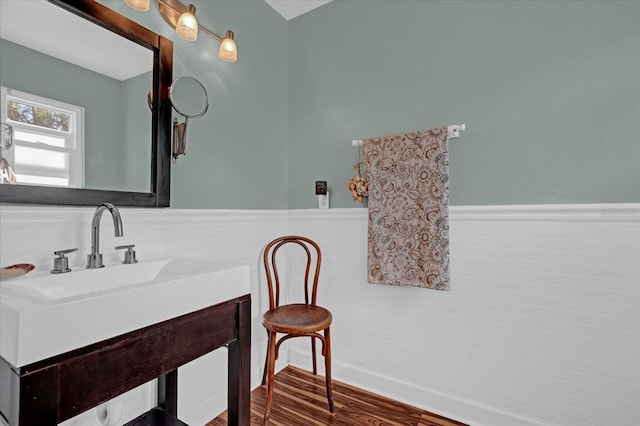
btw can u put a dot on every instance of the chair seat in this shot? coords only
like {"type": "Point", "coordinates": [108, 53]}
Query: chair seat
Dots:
{"type": "Point", "coordinates": [297, 318]}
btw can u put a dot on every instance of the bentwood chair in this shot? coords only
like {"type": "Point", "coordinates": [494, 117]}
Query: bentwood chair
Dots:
{"type": "Point", "coordinates": [298, 319]}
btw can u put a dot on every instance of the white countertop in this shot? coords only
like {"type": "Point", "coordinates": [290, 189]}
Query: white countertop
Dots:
{"type": "Point", "coordinates": [34, 327]}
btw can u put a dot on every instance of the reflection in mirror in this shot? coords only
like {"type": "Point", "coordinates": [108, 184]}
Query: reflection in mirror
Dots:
{"type": "Point", "coordinates": [189, 98]}
{"type": "Point", "coordinates": [6, 142]}
{"type": "Point", "coordinates": [77, 111]}
{"type": "Point", "coordinates": [100, 113]}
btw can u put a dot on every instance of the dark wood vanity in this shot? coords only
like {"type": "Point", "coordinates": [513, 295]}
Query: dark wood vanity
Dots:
{"type": "Point", "coordinates": [53, 390]}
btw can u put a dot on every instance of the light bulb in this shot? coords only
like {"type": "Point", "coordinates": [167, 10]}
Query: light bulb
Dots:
{"type": "Point", "coordinates": [228, 51]}
{"type": "Point", "coordinates": [141, 5]}
{"type": "Point", "coordinates": [187, 26]}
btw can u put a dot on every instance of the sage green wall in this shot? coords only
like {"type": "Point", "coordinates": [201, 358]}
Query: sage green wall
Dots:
{"type": "Point", "coordinates": [550, 93]}
{"type": "Point", "coordinates": [136, 131]}
{"type": "Point", "coordinates": [236, 153]}
{"type": "Point", "coordinates": [29, 71]}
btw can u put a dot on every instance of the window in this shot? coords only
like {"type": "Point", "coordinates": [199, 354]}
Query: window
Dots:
{"type": "Point", "coordinates": [48, 139]}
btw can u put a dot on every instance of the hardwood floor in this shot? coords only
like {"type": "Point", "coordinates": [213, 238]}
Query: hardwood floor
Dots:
{"type": "Point", "coordinates": [299, 399]}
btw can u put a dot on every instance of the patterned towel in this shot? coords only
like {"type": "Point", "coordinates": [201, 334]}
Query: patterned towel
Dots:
{"type": "Point", "coordinates": [408, 234]}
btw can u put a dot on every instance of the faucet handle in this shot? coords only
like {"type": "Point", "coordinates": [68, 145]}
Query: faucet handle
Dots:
{"type": "Point", "coordinates": [61, 263]}
{"type": "Point", "coordinates": [61, 253]}
{"type": "Point", "coordinates": [129, 255]}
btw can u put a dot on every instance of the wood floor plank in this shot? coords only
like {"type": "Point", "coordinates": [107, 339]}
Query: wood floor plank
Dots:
{"type": "Point", "coordinates": [430, 419]}
{"type": "Point", "coordinates": [353, 400]}
{"type": "Point", "coordinates": [300, 399]}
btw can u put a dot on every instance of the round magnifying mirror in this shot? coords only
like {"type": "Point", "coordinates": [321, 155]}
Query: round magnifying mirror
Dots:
{"type": "Point", "coordinates": [189, 97]}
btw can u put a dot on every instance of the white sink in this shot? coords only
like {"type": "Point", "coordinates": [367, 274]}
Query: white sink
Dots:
{"type": "Point", "coordinates": [84, 281]}
{"type": "Point", "coordinates": [43, 315]}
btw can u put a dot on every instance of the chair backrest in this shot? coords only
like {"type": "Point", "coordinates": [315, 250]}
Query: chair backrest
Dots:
{"type": "Point", "coordinates": [270, 266]}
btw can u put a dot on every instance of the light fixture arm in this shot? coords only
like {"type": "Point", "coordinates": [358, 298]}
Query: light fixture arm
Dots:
{"type": "Point", "coordinates": [212, 34]}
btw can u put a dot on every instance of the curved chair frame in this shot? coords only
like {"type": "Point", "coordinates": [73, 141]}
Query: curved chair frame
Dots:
{"type": "Point", "coordinates": [273, 282]}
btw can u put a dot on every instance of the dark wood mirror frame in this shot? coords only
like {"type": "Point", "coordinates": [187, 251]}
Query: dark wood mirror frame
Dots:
{"type": "Point", "coordinates": [160, 167]}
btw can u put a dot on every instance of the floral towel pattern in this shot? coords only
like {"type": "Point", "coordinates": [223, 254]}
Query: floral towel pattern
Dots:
{"type": "Point", "coordinates": [408, 236]}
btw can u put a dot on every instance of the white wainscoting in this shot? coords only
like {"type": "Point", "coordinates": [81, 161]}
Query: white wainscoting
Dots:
{"type": "Point", "coordinates": [541, 326]}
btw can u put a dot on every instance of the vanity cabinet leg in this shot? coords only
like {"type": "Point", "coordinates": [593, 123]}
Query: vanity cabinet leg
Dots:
{"type": "Point", "coordinates": [38, 399]}
{"type": "Point", "coordinates": [239, 375]}
{"type": "Point", "coordinates": [168, 392]}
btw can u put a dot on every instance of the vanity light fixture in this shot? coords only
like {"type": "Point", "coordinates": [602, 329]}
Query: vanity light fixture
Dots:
{"type": "Point", "coordinates": [183, 19]}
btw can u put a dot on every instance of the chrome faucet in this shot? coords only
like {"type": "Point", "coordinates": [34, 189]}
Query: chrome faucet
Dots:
{"type": "Point", "coordinates": [94, 260]}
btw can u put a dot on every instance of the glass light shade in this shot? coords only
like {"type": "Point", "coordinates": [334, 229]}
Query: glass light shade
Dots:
{"type": "Point", "coordinates": [141, 5]}
{"type": "Point", "coordinates": [187, 26]}
{"type": "Point", "coordinates": [228, 51]}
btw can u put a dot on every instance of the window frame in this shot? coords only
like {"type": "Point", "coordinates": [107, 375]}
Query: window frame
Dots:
{"type": "Point", "coordinates": [74, 138]}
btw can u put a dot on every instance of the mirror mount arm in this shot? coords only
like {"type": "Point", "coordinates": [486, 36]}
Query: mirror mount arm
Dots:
{"type": "Point", "coordinates": [179, 139]}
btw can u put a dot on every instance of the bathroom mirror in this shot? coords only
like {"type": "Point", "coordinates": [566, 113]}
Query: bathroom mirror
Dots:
{"type": "Point", "coordinates": [145, 151]}
{"type": "Point", "coordinates": [189, 98]}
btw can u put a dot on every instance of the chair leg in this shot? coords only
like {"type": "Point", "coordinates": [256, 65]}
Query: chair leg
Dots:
{"type": "Point", "coordinates": [271, 356]}
{"type": "Point", "coordinates": [266, 360]}
{"type": "Point", "coordinates": [313, 355]}
{"type": "Point", "coordinates": [327, 368]}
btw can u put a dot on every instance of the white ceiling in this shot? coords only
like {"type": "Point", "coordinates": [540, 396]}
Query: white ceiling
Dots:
{"type": "Point", "coordinates": [289, 9]}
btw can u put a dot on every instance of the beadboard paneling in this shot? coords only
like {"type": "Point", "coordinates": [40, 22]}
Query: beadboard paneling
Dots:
{"type": "Point", "coordinates": [541, 326]}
